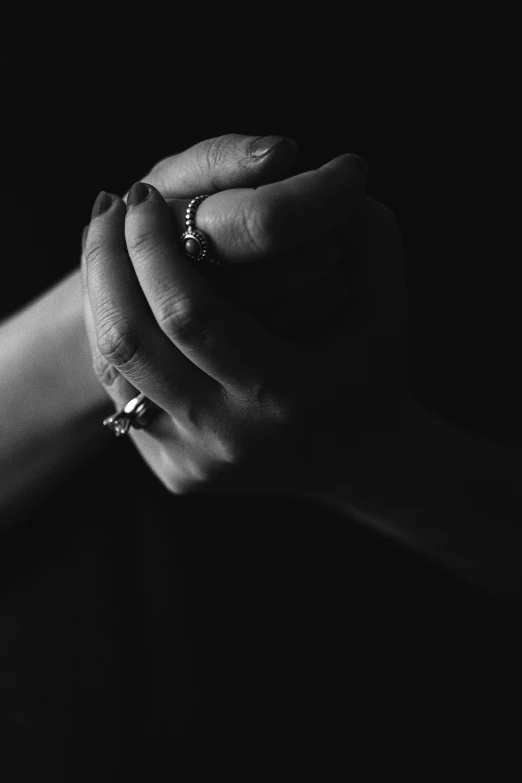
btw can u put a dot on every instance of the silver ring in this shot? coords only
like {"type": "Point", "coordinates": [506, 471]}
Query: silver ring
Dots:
{"type": "Point", "coordinates": [193, 241]}
{"type": "Point", "coordinates": [136, 413]}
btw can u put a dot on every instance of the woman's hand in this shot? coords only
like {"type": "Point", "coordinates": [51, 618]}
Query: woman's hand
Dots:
{"type": "Point", "coordinates": [54, 400]}
{"type": "Point", "coordinates": [290, 280]}
{"type": "Point", "coordinates": [243, 409]}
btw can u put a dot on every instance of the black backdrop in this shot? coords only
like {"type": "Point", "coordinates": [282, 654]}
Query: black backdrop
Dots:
{"type": "Point", "coordinates": [204, 637]}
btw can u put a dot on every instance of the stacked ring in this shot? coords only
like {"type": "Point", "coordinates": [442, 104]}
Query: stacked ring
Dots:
{"type": "Point", "coordinates": [136, 413]}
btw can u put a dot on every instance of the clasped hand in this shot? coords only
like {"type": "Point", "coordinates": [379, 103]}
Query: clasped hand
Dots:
{"type": "Point", "coordinates": [286, 372]}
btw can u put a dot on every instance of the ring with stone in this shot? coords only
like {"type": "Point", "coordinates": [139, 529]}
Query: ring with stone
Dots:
{"type": "Point", "coordinates": [136, 413]}
{"type": "Point", "coordinates": [193, 241]}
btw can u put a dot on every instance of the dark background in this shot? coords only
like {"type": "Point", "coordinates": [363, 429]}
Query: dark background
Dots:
{"type": "Point", "coordinates": [214, 637]}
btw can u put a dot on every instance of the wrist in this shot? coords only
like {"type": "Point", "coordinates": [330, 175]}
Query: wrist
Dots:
{"type": "Point", "coordinates": [450, 494]}
{"type": "Point", "coordinates": [48, 387]}
{"type": "Point", "coordinates": [78, 383]}
{"type": "Point", "coordinates": [365, 478]}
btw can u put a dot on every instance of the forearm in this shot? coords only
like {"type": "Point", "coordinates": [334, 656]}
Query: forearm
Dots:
{"type": "Point", "coordinates": [51, 401]}
{"type": "Point", "coordinates": [455, 496]}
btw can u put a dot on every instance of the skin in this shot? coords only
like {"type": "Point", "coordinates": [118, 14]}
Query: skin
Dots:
{"type": "Point", "coordinates": [55, 401]}
{"type": "Point", "coordinates": [325, 427]}
{"type": "Point", "coordinates": [276, 283]}
{"type": "Point", "coordinates": [241, 407]}
{"type": "Point", "coordinates": [324, 412]}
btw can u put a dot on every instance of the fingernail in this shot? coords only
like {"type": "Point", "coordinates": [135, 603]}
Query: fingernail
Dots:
{"type": "Point", "coordinates": [262, 145]}
{"type": "Point", "coordinates": [102, 204]}
{"type": "Point", "coordinates": [137, 194]}
{"type": "Point", "coordinates": [361, 163]}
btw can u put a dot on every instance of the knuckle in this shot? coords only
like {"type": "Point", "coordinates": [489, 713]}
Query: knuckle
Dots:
{"type": "Point", "coordinates": [170, 473]}
{"type": "Point", "coordinates": [94, 253]}
{"type": "Point", "coordinates": [142, 242]}
{"type": "Point", "coordinates": [182, 318]}
{"type": "Point", "coordinates": [183, 478]}
{"type": "Point", "coordinates": [218, 153]}
{"type": "Point", "coordinates": [118, 342]}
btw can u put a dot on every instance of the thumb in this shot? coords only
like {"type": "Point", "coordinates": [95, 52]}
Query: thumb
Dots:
{"type": "Point", "coordinates": [247, 225]}
{"type": "Point", "coordinates": [230, 161]}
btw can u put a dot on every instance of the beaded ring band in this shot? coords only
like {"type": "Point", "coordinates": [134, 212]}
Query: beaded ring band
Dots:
{"type": "Point", "coordinates": [193, 241]}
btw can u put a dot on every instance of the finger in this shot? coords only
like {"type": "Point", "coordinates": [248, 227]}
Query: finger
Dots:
{"type": "Point", "coordinates": [248, 225]}
{"type": "Point", "coordinates": [304, 314]}
{"type": "Point", "coordinates": [228, 161]}
{"type": "Point", "coordinates": [212, 333]}
{"type": "Point", "coordinates": [126, 334]}
{"type": "Point", "coordinates": [378, 269]}
{"type": "Point", "coordinates": [378, 296]}
{"type": "Point", "coordinates": [288, 275]}
{"type": "Point", "coordinates": [118, 389]}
